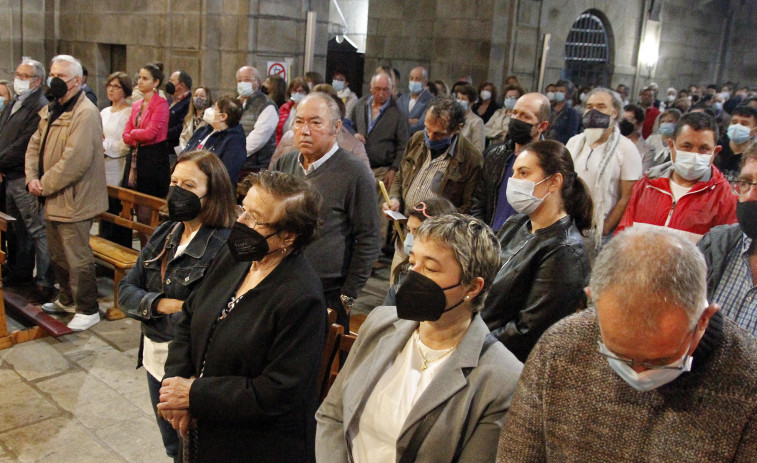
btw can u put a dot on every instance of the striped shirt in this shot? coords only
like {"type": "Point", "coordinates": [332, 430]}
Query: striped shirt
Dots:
{"type": "Point", "coordinates": [428, 180]}
{"type": "Point", "coordinates": [736, 293]}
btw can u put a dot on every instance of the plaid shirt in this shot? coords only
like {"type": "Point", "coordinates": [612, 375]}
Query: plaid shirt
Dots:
{"type": "Point", "coordinates": [735, 293]}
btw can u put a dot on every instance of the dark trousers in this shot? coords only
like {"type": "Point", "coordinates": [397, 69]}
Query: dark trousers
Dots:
{"type": "Point", "coordinates": [169, 434]}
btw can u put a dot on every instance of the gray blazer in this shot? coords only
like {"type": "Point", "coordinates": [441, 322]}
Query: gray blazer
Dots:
{"type": "Point", "coordinates": [475, 405]}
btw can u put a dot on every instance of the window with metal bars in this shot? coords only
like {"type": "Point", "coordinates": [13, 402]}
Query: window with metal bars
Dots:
{"type": "Point", "coordinates": [587, 51]}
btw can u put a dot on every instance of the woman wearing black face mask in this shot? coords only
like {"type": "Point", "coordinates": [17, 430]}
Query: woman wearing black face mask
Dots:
{"type": "Point", "coordinates": [174, 260]}
{"type": "Point", "coordinates": [252, 335]}
{"type": "Point", "coordinates": [425, 376]}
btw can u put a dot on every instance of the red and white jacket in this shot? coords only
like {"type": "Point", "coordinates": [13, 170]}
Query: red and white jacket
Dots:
{"type": "Point", "coordinates": [710, 202]}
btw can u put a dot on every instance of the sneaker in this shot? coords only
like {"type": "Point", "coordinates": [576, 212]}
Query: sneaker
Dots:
{"type": "Point", "coordinates": [57, 307]}
{"type": "Point", "coordinates": [81, 322]}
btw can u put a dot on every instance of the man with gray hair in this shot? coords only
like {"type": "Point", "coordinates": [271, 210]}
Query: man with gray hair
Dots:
{"type": "Point", "coordinates": [608, 162]}
{"type": "Point", "coordinates": [17, 125]}
{"type": "Point", "coordinates": [65, 170]}
{"type": "Point", "coordinates": [259, 119]}
{"type": "Point", "coordinates": [652, 373]}
{"type": "Point", "coordinates": [348, 240]}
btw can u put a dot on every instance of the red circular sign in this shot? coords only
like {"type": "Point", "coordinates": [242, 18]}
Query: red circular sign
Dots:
{"type": "Point", "coordinates": [277, 69]}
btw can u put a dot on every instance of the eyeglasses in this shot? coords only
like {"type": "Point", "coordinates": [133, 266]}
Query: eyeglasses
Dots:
{"type": "Point", "coordinates": [114, 87]}
{"type": "Point", "coordinates": [662, 364]}
{"type": "Point", "coordinates": [247, 217]}
{"type": "Point", "coordinates": [743, 186]}
{"type": "Point", "coordinates": [421, 207]}
{"type": "Point", "coordinates": [24, 76]}
{"type": "Point", "coordinates": [313, 124]}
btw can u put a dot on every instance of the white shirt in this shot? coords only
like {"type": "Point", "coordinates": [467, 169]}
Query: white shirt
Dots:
{"type": "Point", "coordinates": [114, 124]}
{"type": "Point", "coordinates": [264, 127]}
{"type": "Point", "coordinates": [411, 103]}
{"type": "Point", "coordinates": [391, 401]}
{"type": "Point", "coordinates": [678, 190]}
{"type": "Point", "coordinates": [625, 165]}
{"type": "Point", "coordinates": [314, 165]}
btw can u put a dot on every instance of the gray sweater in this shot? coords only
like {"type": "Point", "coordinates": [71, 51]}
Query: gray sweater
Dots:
{"type": "Point", "coordinates": [570, 406]}
{"type": "Point", "coordinates": [349, 240]}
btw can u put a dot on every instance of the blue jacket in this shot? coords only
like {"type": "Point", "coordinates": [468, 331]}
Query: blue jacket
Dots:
{"type": "Point", "coordinates": [142, 288]}
{"type": "Point", "coordinates": [419, 109]}
{"type": "Point", "coordinates": [228, 144]}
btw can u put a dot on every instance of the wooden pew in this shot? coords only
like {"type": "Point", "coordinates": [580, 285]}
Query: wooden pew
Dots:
{"type": "Point", "coordinates": [112, 255]}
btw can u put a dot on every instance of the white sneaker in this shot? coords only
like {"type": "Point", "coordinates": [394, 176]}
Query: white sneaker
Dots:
{"type": "Point", "coordinates": [81, 322]}
{"type": "Point", "coordinates": [57, 307]}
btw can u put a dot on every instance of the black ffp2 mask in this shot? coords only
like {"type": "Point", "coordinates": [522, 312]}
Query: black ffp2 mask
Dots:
{"type": "Point", "coordinates": [183, 205]}
{"type": "Point", "coordinates": [58, 88]}
{"type": "Point", "coordinates": [626, 128]}
{"type": "Point", "coordinates": [170, 88]}
{"type": "Point", "coordinates": [746, 213]}
{"type": "Point", "coordinates": [246, 244]}
{"type": "Point", "coordinates": [520, 132]}
{"type": "Point", "coordinates": [595, 120]}
{"type": "Point", "coordinates": [419, 298]}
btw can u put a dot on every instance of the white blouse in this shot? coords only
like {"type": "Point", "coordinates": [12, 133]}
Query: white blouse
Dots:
{"type": "Point", "coordinates": [391, 401]}
{"type": "Point", "coordinates": [114, 124]}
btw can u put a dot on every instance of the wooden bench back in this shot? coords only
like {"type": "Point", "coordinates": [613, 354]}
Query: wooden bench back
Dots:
{"type": "Point", "coordinates": [130, 200]}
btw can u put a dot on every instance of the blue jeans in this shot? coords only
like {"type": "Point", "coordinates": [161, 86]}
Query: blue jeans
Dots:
{"type": "Point", "coordinates": [169, 434]}
{"type": "Point", "coordinates": [29, 231]}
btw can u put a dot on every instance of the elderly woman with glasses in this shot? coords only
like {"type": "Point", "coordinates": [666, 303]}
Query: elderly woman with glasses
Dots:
{"type": "Point", "coordinates": [425, 381]}
{"type": "Point", "coordinates": [244, 362]}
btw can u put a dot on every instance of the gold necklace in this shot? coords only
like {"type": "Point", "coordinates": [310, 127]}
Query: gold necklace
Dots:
{"type": "Point", "coordinates": [426, 361]}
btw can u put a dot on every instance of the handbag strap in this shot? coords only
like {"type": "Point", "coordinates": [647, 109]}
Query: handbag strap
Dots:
{"type": "Point", "coordinates": [408, 456]}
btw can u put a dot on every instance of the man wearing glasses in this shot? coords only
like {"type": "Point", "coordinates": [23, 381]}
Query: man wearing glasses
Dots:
{"type": "Point", "coordinates": [652, 374]}
{"type": "Point", "coordinates": [17, 125]}
{"type": "Point", "coordinates": [687, 193]}
{"type": "Point", "coordinates": [731, 256]}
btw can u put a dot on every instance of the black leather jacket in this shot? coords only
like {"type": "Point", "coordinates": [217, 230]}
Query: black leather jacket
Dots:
{"type": "Point", "coordinates": [542, 279]}
{"type": "Point", "coordinates": [486, 192]}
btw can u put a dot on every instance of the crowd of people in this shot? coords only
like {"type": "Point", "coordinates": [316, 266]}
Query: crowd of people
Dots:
{"type": "Point", "coordinates": [566, 260]}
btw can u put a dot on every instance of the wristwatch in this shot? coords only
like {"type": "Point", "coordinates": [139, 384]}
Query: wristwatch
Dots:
{"type": "Point", "coordinates": [347, 301]}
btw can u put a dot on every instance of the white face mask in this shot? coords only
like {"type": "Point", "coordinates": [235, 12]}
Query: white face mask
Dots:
{"type": "Point", "coordinates": [648, 379]}
{"type": "Point", "coordinates": [21, 86]}
{"type": "Point", "coordinates": [297, 97]}
{"type": "Point", "coordinates": [209, 115]}
{"type": "Point", "coordinates": [520, 195]}
{"type": "Point", "coordinates": [485, 95]}
{"type": "Point", "coordinates": [407, 245]}
{"type": "Point", "coordinates": [244, 89]}
{"type": "Point", "coordinates": [551, 96]}
{"type": "Point", "coordinates": [691, 166]}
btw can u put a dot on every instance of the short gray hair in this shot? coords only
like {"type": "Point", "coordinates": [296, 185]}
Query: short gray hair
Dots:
{"type": "Point", "coordinates": [73, 62]}
{"type": "Point", "coordinates": [376, 75]}
{"type": "Point", "coordinates": [39, 69]}
{"type": "Point", "coordinates": [472, 242]}
{"type": "Point", "coordinates": [647, 266]}
{"type": "Point", "coordinates": [617, 103]}
{"type": "Point", "coordinates": [335, 114]}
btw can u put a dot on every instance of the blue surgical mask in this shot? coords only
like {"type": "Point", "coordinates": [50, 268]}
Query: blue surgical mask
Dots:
{"type": "Point", "coordinates": [436, 145]}
{"type": "Point", "coordinates": [510, 102]}
{"type": "Point", "coordinates": [415, 87]}
{"type": "Point", "coordinates": [667, 128]}
{"type": "Point", "coordinates": [49, 81]}
{"type": "Point", "coordinates": [338, 85]}
{"type": "Point", "coordinates": [464, 104]}
{"type": "Point", "coordinates": [559, 97]}
{"type": "Point", "coordinates": [717, 106]}
{"type": "Point", "coordinates": [691, 166]}
{"type": "Point", "coordinates": [649, 379]}
{"type": "Point", "coordinates": [408, 244]}
{"type": "Point", "coordinates": [2, 102]}
{"type": "Point", "coordinates": [738, 133]}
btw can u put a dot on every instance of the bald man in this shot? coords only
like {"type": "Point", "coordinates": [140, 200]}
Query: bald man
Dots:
{"type": "Point", "coordinates": [529, 121]}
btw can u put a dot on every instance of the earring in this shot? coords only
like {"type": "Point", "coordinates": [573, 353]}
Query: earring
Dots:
{"type": "Point", "coordinates": [467, 297]}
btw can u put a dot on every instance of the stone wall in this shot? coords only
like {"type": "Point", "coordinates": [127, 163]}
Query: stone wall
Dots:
{"type": "Point", "coordinates": [208, 39]}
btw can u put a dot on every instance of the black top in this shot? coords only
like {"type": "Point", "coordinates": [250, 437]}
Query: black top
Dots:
{"type": "Point", "coordinates": [258, 394]}
{"type": "Point", "coordinates": [542, 279]}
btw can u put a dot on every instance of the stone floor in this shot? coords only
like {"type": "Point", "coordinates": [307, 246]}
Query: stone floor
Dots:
{"type": "Point", "coordinates": [79, 398]}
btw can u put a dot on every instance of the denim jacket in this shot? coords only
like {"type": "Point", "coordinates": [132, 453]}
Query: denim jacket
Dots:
{"type": "Point", "coordinates": [141, 290]}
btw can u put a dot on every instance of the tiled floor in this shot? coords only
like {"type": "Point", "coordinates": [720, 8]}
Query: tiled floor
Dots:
{"type": "Point", "coordinates": [79, 398]}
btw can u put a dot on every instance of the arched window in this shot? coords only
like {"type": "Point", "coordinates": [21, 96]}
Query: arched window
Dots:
{"type": "Point", "coordinates": [588, 50]}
